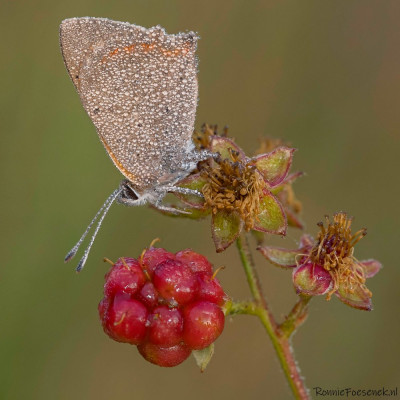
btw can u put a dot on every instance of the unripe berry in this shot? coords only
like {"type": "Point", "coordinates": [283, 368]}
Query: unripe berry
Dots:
{"type": "Point", "coordinates": [195, 261]}
{"type": "Point", "coordinates": [164, 356]}
{"type": "Point", "coordinates": [125, 320]}
{"type": "Point", "coordinates": [166, 304]}
{"type": "Point", "coordinates": [312, 279]}
{"type": "Point", "coordinates": [148, 295]}
{"type": "Point", "coordinates": [153, 257]}
{"type": "Point", "coordinates": [126, 276]}
{"type": "Point", "coordinates": [175, 282]}
{"type": "Point", "coordinates": [166, 326]}
{"type": "Point", "coordinates": [203, 323]}
{"type": "Point", "coordinates": [210, 289]}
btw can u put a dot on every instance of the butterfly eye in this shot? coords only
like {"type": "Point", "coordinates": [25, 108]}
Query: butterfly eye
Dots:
{"type": "Point", "coordinates": [127, 191]}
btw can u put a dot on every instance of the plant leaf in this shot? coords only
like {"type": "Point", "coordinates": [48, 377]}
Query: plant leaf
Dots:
{"type": "Point", "coordinates": [357, 299]}
{"type": "Point", "coordinates": [274, 166]}
{"type": "Point", "coordinates": [371, 267]}
{"type": "Point", "coordinates": [225, 228]}
{"type": "Point", "coordinates": [271, 217]}
{"type": "Point", "coordinates": [283, 258]}
{"type": "Point", "coordinates": [203, 357]}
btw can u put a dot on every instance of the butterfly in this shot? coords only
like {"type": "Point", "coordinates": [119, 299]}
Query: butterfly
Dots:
{"type": "Point", "coordinates": [139, 88]}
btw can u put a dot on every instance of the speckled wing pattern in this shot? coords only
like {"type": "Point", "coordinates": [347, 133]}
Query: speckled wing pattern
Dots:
{"type": "Point", "coordinates": [139, 87]}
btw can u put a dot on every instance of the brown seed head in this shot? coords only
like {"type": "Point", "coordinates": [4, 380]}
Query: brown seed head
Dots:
{"type": "Point", "coordinates": [334, 252]}
{"type": "Point", "coordinates": [202, 138]}
{"type": "Point", "coordinates": [235, 186]}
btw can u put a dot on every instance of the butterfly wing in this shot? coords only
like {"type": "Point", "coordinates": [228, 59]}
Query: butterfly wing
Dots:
{"type": "Point", "coordinates": [139, 87]}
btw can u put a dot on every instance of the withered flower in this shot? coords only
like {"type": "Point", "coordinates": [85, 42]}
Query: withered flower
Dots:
{"type": "Point", "coordinates": [239, 192]}
{"type": "Point", "coordinates": [327, 265]}
{"type": "Point", "coordinates": [284, 192]}
{"type": "Point", "coordinates": [202, 139]}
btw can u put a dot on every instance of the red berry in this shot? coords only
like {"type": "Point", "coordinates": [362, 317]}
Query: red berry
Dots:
{"type": "Point", "coordinates": [125, 321]}
{"type": "Point", "coordinates": [165, 304]}
{"type": "Point", "coordinates": [164, 356]}
{"type": "Point", "coordinates": [125, 276]}
{"type": "Point", "coordinates": [166, 326]}
{"type": "Point", "coordinates": [148, 295]}
{"type": "Point", "coordinates": [195, 261]}
{"type": "Point", "coordinates": [175, 282]}
{"type": "Point", "coordinates": [210, 289]}
{"type": "Point", "coordinates": [153, 257]}
{"type": "Point", "coordinates": [203, 323]}
{"type": "Point", "coordinates": [104, 306]}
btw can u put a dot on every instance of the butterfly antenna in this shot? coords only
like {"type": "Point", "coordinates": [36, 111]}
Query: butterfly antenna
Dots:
{"type": "Point", "coordinates": [106, 206]}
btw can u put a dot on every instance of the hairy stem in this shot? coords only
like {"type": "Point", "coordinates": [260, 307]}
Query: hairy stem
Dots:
{"type": "Point", "coordinates": [296, 317]}
{"type": "Point", "coordinates": [243, 307]}
{"type": "Point", "coordinates": [253, 280]}
{"type": "Point", "coordinates": [280, 339]}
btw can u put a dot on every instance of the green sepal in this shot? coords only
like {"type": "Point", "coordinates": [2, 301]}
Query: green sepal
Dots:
{"type": "Point", "coordinates": [274, 166]}
{"type": "Point", "coordinates": [271, 218]}
{"type": "Point", "coordinates": [203, 357]}
{"type": "Point", "coordinates": [225, 228]}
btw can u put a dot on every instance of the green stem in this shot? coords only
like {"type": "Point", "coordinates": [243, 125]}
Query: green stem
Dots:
{"type": "Point", "coordinates": [243, 307]}
{"type": "Point", "coordinates": [280, 340]}
{"type": "Point", "coordinates": [296, 317]}
{"type": "Point", "coordinates": [252, 278]}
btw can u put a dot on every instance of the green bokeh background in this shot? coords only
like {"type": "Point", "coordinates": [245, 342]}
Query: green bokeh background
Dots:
{"type": "Point", "coordinates": [322, 75]}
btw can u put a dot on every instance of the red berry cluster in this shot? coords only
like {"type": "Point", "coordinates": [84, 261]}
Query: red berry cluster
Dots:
{"type": "Point", "coordinates": [166, 304]}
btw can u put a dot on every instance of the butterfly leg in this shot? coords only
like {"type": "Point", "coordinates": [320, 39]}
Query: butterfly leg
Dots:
{"type": "Point", "coordinates": [192, 158]}
{"type": "Point", "coordinates": [168, 209]}
{"type": "Point", "coordinates": [179, 189]}
{"type": "Point", "coordinates": [200, 155]}
{"type": "Point", "coordinates": [208, 154]}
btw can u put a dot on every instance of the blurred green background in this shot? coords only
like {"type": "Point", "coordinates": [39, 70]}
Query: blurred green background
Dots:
{"type": "Point", "coordinates": [322, 75]}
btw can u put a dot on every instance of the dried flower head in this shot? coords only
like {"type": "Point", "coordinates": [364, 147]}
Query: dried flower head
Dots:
{"type": "Point", "coordinates": [239, 191]}
{"type": "Point", "coordinates": [334, 252]}
{"type": "Point", "coordinates": [202, 139]}
{"type": "Point", "coordinates": [327, 265]}
{"type": "Point", "coordinates": [284, 192]}
{"type": "Point", "coordinates": [234, 185]}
